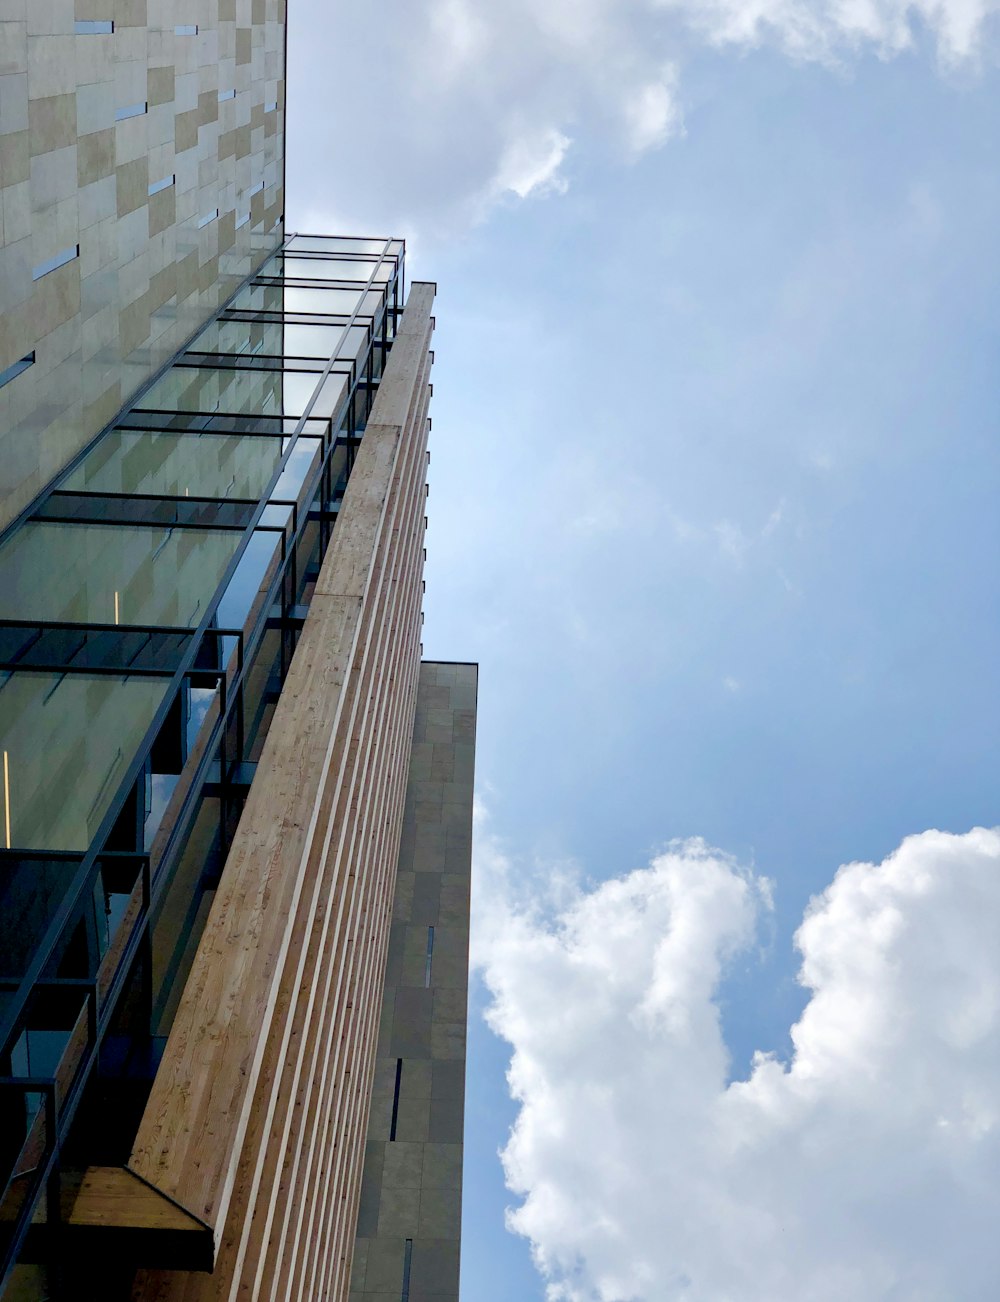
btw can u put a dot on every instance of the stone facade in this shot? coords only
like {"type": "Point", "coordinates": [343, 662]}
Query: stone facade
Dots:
{"type": "Point", "coordinates": [410, 1218]}
{"type": "Point", "coordinates": [141, 179]}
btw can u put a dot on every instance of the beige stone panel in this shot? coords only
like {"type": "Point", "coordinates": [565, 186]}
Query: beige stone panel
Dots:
{"type": "Point", "coordinates": [14, 158]}
{"type": "Point", "coordinates": [56, 298]}
{"type": "Point", "coordinates": [187, 276]}
{"type": "Point", "coordinates": [101, 333]}
{"type": "Point", "coordinates": [208, 272]}
{"type": "Point", "coordinates": [63, 345]}
{"type": "Point", "coordinates": [103, 409]}
{"type": "Point", "coordinates": [130, 13]}
{"type": "Point", "coordinates": [133, 239]}
{"type": "Point", "coordinates": [13, 103]}
{"type": "Point", "coordinates": [47, 17]}
{"type": "Point", "coordinates": [51, 65]}
{"type": "Point", "coordinates": [185, 91]}
{"type": "Point", "coordinates": [98, 247]}
{"type": "Point", "coordinates": [94, 57]}
{"type": "Point", "coordinates": [97, 202]}
{"type": "Point", "coordinates": [162, 286]}
{"type": "Point", "coordinates": [227, 231]}
{"type": "Point", "coordinates": [160, 85]}
{"type": "Point", "coordinates": [162, 210]}
{"type": "Point", "coordinates": [130, 48]}
{"type": "Point", "coordinates": [243, 45]}
{"type": "Point", "coordinates": [133, 325]}
{"type": "Point", "coordinates": [129, 71]}
{"type": "Point", "coordinates": [16, 212]}
{"type": "Point", "coordinates": [132, 185]}
{"type": "Point", "coordinates": [208, 107]}
{"type": "Point", "coordinates": [131, 141]}
{"type": "Point", "coordinates": [52, 122]}
{"type": "Point", "coordinates": [13, 48]}
{"type": "Point", "coordinates": [95, 106]}
{"type": "Point", "coordinates": [227, 145]}
{"type": "Point", "coordinates": [95, 156]}
{"type": "Point", "coordinates": [186, 130]}
{"type": "Point", "coordinates": [54, 228]}
{"type": "Point", "coordinates": [133, 279]}
{"type": "Point", "coordinates": [93, 9]}
{"type": "Point", "coordinates": [53, 178]}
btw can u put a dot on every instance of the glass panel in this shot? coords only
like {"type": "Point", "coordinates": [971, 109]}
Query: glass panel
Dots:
{"type": "Point", "coordinates": [67, 741]}
{"type": "Point", "coordinates": [177, 465]}
{"type": "Point", "coordinates": [270, 339]}
{"type": "Point", "coordinates": [303, 457]}
{"type": "Point", "coordinates": [245, 338]}
{"type": "Point", "coordinates": [112, 574]}
{"type": "Point", "coordinates": [355, 342]}
{"type": "Point", "coordinates": [327, 269]}
{"type": "Point", "coordinates": [312, 340]}
{"type": "Point", "coordinates": [210, 389]}
{"type": "Point", "coordinates": [334, 244]}
{"type": "Point", "coordinates": [245, 584]}
{"type": "Point", "coordinates": [298, 299]}
{"type": "Point", "coordinates": [331, 395]}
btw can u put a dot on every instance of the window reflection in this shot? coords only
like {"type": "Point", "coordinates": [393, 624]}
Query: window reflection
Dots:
{"type": "Point", "coordinates": [67, 742]}
{"type": "Point", "coordinates": [178, 465]}
{"type": "Point", "coordinates": [112, 574]}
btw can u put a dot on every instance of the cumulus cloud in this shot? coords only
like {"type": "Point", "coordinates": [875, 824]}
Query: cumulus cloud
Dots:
{"type": "Point", "coordinates": [866, 1167]}
{"type": "Point", "coordinates": [481, 101]}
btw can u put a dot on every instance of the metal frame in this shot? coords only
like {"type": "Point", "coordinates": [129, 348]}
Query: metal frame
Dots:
{"type": "Point", "coordinates": [218, 767]}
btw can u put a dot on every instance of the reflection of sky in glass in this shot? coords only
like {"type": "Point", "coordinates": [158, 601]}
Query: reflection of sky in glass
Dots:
{"type": "Point", "coordinates": [327, 269]}
{"type": "Point", "coordinates": [302, 458]}
{"type": "Point", "coordinates": [245, 583]}
{"type": "Point", "coordinates": [335, 244]}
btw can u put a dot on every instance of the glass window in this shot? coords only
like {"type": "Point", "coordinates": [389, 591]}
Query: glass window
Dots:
{"type": "Point", "coordinates": [178, 465]}
{"type": "Point", "coordinates": [66, 742]}
{"type": "Point", "coordinates": [112, 574]}
{"type": "Point", "coordinates": [210, 389]}
{"type": "Point", "coordinates": [334, 244]}
{"type": "Point", "coordinates": [327, 269]}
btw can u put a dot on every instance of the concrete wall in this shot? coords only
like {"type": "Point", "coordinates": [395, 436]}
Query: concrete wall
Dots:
{"type": "Point", "coordinates": [410, 1217]}
{"type": "Point", "coordinates": [75, 173]}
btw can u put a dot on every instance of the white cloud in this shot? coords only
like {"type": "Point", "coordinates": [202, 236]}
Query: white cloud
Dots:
{"type": "Point", "coordinates": [530, 165]}
{"type": "Point", "coordinates": [481, 101]}
{"type": "Point", "coordinates": [652, 112]}
{"type": "Point", "coordinates": [867, 1168]}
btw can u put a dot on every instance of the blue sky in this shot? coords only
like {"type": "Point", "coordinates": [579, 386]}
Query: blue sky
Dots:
{"type": "Point", "coordinates": [714, 491]}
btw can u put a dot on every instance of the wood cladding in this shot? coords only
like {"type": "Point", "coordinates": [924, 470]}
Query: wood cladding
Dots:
{"type": "Point", "coordinates": [257, 1117]}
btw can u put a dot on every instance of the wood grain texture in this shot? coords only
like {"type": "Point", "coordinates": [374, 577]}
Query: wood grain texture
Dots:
{"type": "Point", "coordinates": [257, 1117]}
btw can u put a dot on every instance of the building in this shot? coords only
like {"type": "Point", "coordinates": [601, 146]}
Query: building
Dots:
{"type": "Point", "coordinates": [236, 807]}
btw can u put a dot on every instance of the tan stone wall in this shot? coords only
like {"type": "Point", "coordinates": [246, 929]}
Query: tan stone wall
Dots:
{"type": "Point", "coordinates": [410, 1217]}
{"type": "Point", "coordinates": [75, 172]}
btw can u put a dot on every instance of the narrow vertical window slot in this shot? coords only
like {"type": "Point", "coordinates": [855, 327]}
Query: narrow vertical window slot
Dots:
{"type": "Point", "coordinates": [407, 1263]}
{"type": "Point", "coordinates": [430, 957]}
{"type": "Point", "coordinates": [395, 1100]}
